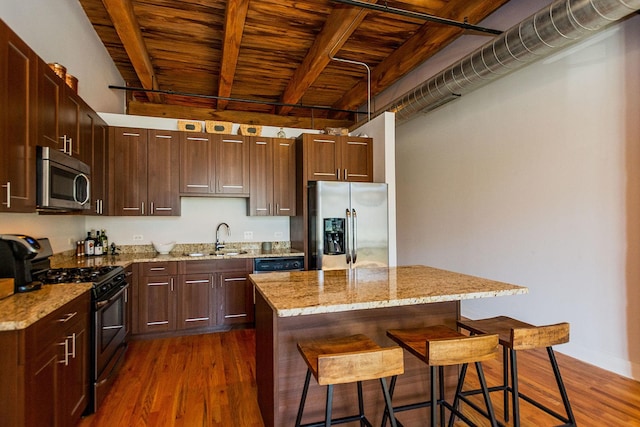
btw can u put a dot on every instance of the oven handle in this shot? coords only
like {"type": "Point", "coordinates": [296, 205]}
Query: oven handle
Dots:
{"type": "Point", "coordinates": [100, 304]}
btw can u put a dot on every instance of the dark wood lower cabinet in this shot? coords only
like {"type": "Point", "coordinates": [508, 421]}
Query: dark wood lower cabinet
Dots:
{"type": "Point", "coordinates": [236, 298]}
{"type": "Point", "coordinates": [44, 369]}
{"type": "Point", "coordinates": [173, 297]}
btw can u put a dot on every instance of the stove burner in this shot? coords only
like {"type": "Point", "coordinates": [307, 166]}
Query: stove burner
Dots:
{"type": "Point", "coordinates": [75, 275]}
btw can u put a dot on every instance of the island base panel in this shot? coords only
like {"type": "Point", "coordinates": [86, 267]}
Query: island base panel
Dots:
{"type": "Point", "coordinates": [280, 369]}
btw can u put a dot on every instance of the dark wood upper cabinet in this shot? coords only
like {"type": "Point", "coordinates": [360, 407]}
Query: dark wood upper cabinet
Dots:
{"type": "Point", "coordinates": [213, 164]}
{"type": "Point", "coordinates": [18, 103]}
{"type": "Point", "coordinates": [145, 172]}
{"type": "Point", "coordinates": [273, 171]}
{"type": "Point", "coordinates": [60, 115]}
{"type": "Point", "coordinates": [197, 164]}
{"type": "Point", "coordinates": [99, 161]}
{"type": "Point", "coordinates": [232, 164]}
{"type": "Point", "coordinates": [338, 158]}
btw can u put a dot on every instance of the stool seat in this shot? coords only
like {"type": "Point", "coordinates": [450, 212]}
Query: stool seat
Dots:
{"type": "Point", "coordinates": [439, 346]}
{"type": "Point", "coordinates": [519, 335]}
{"type": "Point", "coordinates": [332, 361]}
{"type": "Point", "coordinates": [350, 359]}
{"type": "Point", "coordinates": [442, 346]}
{"type": "Point", "coordinates": [516, 335]}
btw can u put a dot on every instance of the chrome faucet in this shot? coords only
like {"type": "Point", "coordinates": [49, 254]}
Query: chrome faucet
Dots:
{"type": "Point", "coordinates": [218, 244]}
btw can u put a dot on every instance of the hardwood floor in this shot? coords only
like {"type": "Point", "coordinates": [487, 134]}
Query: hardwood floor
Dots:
{"type": "Point", "coordinates": [209, 380]}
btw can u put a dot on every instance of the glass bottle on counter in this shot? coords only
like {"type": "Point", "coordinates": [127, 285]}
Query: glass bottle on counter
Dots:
{"type": "Point", "coordinates": [89, 245]}
{"type": "Point", "coordinates": [105, 242]}
{"type": "Point", "coordinates": [97, 247]}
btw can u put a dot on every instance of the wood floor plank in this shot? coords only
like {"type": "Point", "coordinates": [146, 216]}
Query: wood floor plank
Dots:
{"type": "Point", "coordinates": [209, 381]}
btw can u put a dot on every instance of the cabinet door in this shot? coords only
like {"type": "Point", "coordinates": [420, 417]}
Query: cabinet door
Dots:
{"type": "Point", "coordinates": [74, 380]}
{"type": "Point", "coordinates": [50, 93]}
{"type": "Point", "coordinates": [284, 177]}
{"type": "Point", "coordinates": [99, 166]}
{"type": "Point", "coordinates": [322, 156]}
{"type": "Point", "coordinates": [163, 173]}
{"type": "Point", "coordinates": [357, 158]}
{"type": "Point", "coordinates": [261, 201]}
{"type": "Point", "coordinates": [70, 118]}
{"type": "Point", "coordinates": [156, 304]}
{"type": "Point", "coordinates": [43, 381]}
{"type": "Point", "coordinates": [130, 174]}
{"type": "Point", "coordinates": [232, 164]}
{"type": "Point", "coordinates": [236, 298]}
{"type": "Point", "coordinates": [197, 164]}
{"type": "Point", "coordinates": [196, 301]}
{"type": "Point", "coordinates": [18, 79]}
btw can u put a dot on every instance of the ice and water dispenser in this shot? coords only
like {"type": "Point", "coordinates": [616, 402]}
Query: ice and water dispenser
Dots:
{"type": "Point", "coordinates": [334, 236]}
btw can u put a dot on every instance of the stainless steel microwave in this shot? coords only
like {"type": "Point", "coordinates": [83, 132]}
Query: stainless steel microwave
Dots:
{"type": "Point", "coordinates": [63, 182]}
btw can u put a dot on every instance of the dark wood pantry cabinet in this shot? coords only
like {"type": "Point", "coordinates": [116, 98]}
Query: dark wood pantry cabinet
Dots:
{"type": "Point", "coordinates": [273, 177]}
{"type": "Point", "coordinates": [145, 171]}
{"type": "Point", "coordinates": [18, 131]}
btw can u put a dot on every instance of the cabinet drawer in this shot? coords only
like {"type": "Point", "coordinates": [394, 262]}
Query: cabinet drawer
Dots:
{"type": "Point", "coordinates": [50, 328]}
{"type": "Point", "coordinates": [158, 268]}
{"type": "Point", "coordinates": [215, 266]}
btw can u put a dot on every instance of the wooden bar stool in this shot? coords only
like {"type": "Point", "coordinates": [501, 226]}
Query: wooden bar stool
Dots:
{"type": "Point", "coordinates": [440, 346]}
{"type": "Point", "coordinates": [349, 359]}
{"type": "Point", "coordinates": [516, 335]}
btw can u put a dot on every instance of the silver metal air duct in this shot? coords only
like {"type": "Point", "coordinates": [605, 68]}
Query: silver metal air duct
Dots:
{"type": "Point", "coordinates": [545, 32]}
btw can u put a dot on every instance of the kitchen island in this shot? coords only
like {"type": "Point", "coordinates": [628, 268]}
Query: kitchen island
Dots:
{"type": "Point", "coordinates": [310, 304]}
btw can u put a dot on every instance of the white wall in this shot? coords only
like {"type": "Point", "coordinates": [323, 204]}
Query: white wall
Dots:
{"type": "Point", "coordinates": [197, 224]}
{"type": "Point", "coordinates": [534, 180]}
{"type": "Point", "coordinates": [59, 31]}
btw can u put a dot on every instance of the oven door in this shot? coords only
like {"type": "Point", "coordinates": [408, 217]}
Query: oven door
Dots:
{"type": "Point", "coordinates": [110, 329]}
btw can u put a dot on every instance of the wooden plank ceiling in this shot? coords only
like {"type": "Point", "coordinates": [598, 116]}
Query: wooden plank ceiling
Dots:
{"type": "Point", "coordinates": [206, 58]}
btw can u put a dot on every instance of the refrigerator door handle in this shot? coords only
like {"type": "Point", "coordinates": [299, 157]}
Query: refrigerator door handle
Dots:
{"type": "Point", "coordinates": [354, 233]}
{"type": "Point", "coordinates": [347, 250]}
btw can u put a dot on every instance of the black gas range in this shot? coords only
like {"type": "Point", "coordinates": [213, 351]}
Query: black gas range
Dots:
{"type": "Point", "coordinates": [106, 280]}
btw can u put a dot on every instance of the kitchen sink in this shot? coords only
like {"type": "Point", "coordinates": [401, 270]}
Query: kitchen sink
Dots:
{"type": "Point", "coordinates": [228, 253]}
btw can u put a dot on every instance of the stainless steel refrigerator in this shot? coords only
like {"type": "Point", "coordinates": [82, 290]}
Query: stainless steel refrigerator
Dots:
{"type": "Point", "coordinates": [348, 225]}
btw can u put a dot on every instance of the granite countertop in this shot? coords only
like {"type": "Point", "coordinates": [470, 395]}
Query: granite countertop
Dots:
{"type": "Point", "coordinates": [126, 259]}
{"type": "Point", "coordinates": [20, 311]}
{"type": "Point", "coordinates": [315, 292]}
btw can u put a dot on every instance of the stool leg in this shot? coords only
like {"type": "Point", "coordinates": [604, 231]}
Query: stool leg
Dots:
{"type": "Point", "coordinates": [360, 405]}
{"type": "Point", "coordinates": [304, 398]}
{"type": "Point", "coordinates": [505, 381]}
{"type": "Point", "coordinates": [392, 387]}
{"type": "Point", "coordinates": [485, 393]}
{"type": "Point", "coordinates": [441, 393]}
{"type": "Point", "coordinates": [387, 400]}
{"type": "Point", "coordinates": [561, 388]}
{"type": "Point", "coordinates": [514, 385]}
{"type": "Point", "coordinates": [327, 414]}
{"type": "Point", "coordinates": [434, 400]}
{"type": "Point", "coordinates": [456, 399]}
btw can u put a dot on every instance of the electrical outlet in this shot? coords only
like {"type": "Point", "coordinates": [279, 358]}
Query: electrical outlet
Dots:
{"type": "Point", "coordinates": [71, 241]}
{"type": "Point", "coordinates": [137, 237]}
{"type": "Point", "coordinates": [277, 235]}
{"type": "Point", "coordinates": [248, 235]}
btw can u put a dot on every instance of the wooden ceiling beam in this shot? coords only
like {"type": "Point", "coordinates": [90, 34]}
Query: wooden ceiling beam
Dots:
{"type": "Point", "coordinates": [126, 25]}
{"type": "Point", "coordinates": [421, 46]}
{"type": "Point", "coordinates": [193, 113]}
{"type": "Point", "coordinates": [235, 16]}
{"type": "Point", "coordinates": [339, 26]}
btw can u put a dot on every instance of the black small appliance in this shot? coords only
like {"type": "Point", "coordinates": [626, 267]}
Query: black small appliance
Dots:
{"type": "Point", "coordinates": [16, 253]}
